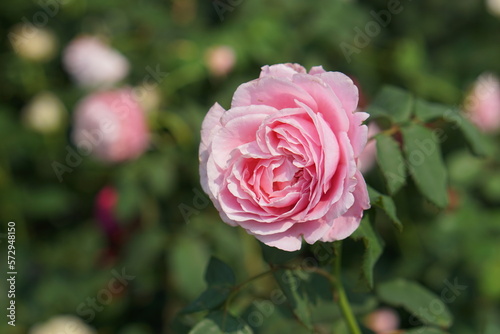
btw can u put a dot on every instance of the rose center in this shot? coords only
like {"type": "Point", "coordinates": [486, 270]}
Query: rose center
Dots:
{"type": "Point", "coordinates": [280, 185]}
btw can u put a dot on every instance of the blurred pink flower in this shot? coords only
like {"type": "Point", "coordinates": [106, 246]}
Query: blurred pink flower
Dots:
{"type": "Point", "coordinates": [368, 157]}
{"type": "Point", "coordinates": [281, 162]}
{"type": "Point", "coordinates": [110, 125]}
{"type": "Point", "coordinates": [220, 60]}
{"type": "Point", "coordinates": [483, 103]}
{"type": "Point", "coordinates": [91, 62]}
{"type": "Point", "coordinates": [383, 321]}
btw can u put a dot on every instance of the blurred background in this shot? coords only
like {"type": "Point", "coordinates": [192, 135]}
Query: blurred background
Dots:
{"type": "Point", "coordinates": [113, 228]}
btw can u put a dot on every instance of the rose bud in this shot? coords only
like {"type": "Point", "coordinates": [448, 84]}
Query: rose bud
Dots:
{"type": "Point", "coordinates": [111, 126]}
{"type": "Point", "coordinates": [91, 62]}
{"type": "Point", "coordinates": [483, 103]}
{"type": "Point", "coordinates": [45, 113]}
{"type": "Point", "coordinates": [33, 43]}
{"type": "Point", "coordinates": [220, 60]}
{"type": "Point", "coordinates": [368, 157]}
{"type": "Point", "coordinates": [282, 161]}
{"type": "Point", "coordinates": [62, 324]}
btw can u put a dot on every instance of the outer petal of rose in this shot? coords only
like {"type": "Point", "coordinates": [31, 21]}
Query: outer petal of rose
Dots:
{"type": "Point", "coordinates": [284, 241]}
{"type": "Point", "coordinates": [291, 239]}
{"type": "Point", "coordinates": [368, 156]}
{"type": "Point", "coordinates": [358, 134]}
{"type": "Point", "coordinates": [260, 228]}
{"type": "Point", "coordinates": [282, 70]}
{"type": "Point", "coordinates": [210, 125]}
{"type": "Point", "coordinates": [316, 70]}
{"type": "Point", "coordinates": [311, 231]}
{"type": "Point", "coordinates": [345, 225]}
{"type": "Point", "coordinates": [348, 94]}
{"type": "Point", "coordinates": [344, 88]}
{"type": "Point", "coordinates": [279, 93]}
{"type": "Point", "coordinates": [326, 100]}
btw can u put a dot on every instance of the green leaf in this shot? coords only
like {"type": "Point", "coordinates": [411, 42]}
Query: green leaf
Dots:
{"type": "Point", "coordinates": [373, 248]}
{"type": "Point", "coordinates": [417, 300]}
{"type": "Point", "coordinates": [424, 161]}
{"type": "Point", "coordinates": [385, 203]}
{"type": "Point", "coordinates": [218, 273]}
{"type": "Point", "coordinates": [393, 103]}
{"type": "Point", "coordinates": [426, 330]}
{"type": "Point", "coordinates": [220, 279]}
{"type": "Point", "coordinates": [221, 323]}
{"type": "Point", "coordinates": [427, 111]}
{"type": "Point", "coordinates": [391, 162]}
{"type": "Point", "coordinates": [479, 143]}
{"type": "Point", "coordinates": [291, 285]}
{"type": "Point", "coordinates": [187, 260]}
{"type": "Point", "coordinates": [211, 298]}
{"type": "Point", "coordinates": [492, 324]}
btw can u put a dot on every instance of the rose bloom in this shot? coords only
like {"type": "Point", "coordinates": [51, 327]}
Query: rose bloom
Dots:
{"type": "Point", "coordinates": [62, 324]}
{"type": "Point", "coordinates": [111, 125]}
{"type": "Point", "coordinates": [368, 157]}
{"type": "Point", "coordinates": [483, 103]}
{"type": "Point", "coordinates": [91, 62]}
{"type": "Point", "coordinates": [281, 162]}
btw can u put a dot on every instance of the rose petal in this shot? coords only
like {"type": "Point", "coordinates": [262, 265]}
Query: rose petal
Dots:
{"type": "Point", "coordinates": [346, 224]}
{"type": "Point", "coordinates": [271, 91]}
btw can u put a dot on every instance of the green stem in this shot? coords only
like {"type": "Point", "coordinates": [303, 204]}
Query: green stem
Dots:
{"type": "Point", "coordinates": [345, 307]}
{"type": "Point", "coordinates": [389, 132]}
{"type": "Point", "coordinates": [273, 269]}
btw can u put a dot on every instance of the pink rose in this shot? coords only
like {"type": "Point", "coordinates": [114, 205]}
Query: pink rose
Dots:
{"type": "Point", "coordinates": [91, 62]}
{"type": "Point", "coordinates": [483, 103]}
{"type": "Point", "coordinates": [281, 162]}
{"type": "Point", "coordinates": [368, 157]}
{"type": "Point", "coordinates": [111, 125]}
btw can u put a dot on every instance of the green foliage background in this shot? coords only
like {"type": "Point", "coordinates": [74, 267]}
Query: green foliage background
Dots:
{"type": "Point", "coordinates": [434, 49]}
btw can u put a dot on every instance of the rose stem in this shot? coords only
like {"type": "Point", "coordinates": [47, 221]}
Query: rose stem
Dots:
{"type": "Point", "coordinates": [345, 307]}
